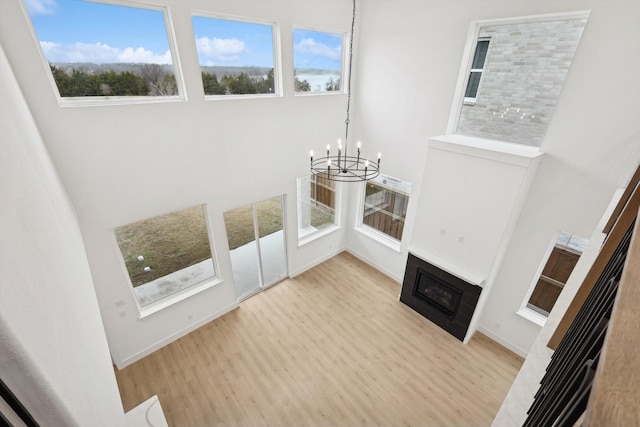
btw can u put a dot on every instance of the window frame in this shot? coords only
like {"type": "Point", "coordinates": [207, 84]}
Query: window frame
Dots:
{"type": "Point", "coordinates": [527, 312]}
{"type": "Point", "coordinates": [92, 101]}
{"type": "Point", "coordinates": [344, 66]}
{"type": "Point", "coordinates": [337, 192]}
{"type": "Point", "coordinates": [183, 294]}
{"type": "Point", "coordinates": [468, 100]}
{"type": "Point", "coordinates": [375, 233]}
{"type": "Point", "coordinates": [276, 46]}
{"type": "Point", "coordinates": [469, 51]}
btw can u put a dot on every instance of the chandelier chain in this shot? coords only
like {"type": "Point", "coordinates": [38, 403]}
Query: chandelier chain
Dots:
{"type": "Point", "coordinates": [353, 25]}
{"type": "Point", "coordinates": [343, 167]}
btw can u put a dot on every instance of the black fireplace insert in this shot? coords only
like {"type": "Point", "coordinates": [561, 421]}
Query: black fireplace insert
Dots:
{"type": "Point", "coordinates": [445, 299]}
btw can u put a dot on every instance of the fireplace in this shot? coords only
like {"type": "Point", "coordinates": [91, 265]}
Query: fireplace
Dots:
{"type": "Point", "coordinates": [445, 299]}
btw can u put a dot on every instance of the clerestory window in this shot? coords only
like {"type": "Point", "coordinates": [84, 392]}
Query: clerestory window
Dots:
{"type": "Point", "coordinates": [317, 61]}
{"type": "Point", "coordinates": [237, 58]}
{"type": "Point", "coordinates": [106, 53]}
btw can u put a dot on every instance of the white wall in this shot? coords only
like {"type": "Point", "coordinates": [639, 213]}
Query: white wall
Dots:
{"type": "Point", "coordinates": [53, 349]}
{"type": "Point", "coordinates": [125, 163]}
{"type": "Point", "coordinates": [408, 61]}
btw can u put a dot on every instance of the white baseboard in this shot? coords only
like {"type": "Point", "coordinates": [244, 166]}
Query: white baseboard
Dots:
{"type": "Point", "coordinates": [386, 272]}
{"type": "Point", "coordinates": [319, 261]}
{"type": "Point", "coordinates": [158, 345]}
{"type": "Point", "coordinates": [506, 344]}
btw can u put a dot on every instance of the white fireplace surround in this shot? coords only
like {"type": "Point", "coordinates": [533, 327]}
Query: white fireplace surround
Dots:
{"type": "Point", "coordinates": [465, 227]}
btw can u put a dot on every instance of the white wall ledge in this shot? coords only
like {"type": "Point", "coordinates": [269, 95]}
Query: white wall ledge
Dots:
{"type": "Point", "coordinates": [460, 273]}
{"type": "Point", "coordinates": [501, 151]}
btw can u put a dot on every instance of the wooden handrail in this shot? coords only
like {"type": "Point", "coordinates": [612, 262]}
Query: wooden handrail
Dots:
{"type": "Point", "coordinates": [616, 389]}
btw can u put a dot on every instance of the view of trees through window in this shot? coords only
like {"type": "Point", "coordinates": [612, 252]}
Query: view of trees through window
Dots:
{"type": "Point", "coordinates": [113, 51]}
{"type": "Point", "coordinates": [236, 57]}
{"type": "Point", "coordinates": [317, 60]}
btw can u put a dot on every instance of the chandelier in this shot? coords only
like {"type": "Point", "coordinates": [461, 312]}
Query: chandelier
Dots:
{"type": "Point", "coordinates": [343, 167]}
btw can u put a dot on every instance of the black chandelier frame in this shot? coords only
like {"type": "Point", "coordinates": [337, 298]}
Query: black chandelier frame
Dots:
{"type": "Point", "coordinates": [345, 168]}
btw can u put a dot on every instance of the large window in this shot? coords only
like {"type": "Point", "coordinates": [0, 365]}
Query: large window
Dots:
{"type": "Point", "coordinates": [385, 206]}
{"type": "Point", "coordinates": [477, 67]}
{"type": "Point", "coordinates": [236, 57]}
{"type": "Point", "coordinates": [316, 205]}
{"type": "Point", "coordinates": [166, 254]}
{"type": "Point", "coordinates": [556, 269]}
{"type": "Point", "coordinates": [317, 61]}
{"type": "Point", "coordinates": [105, 52]}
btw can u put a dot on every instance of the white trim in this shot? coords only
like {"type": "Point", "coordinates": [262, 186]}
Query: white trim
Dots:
{"type": "Point", "coordinates": [489, 149]}
{"type": "Point", "coordinates": [376, 265]}
{"type": "Point", "coordinates": [317, 234]}
{"type": "Point", "coordinates": [503, 342]}
{"type": "Point", "coordinates": [278, 91]}
{"type": "Point", "coordinates": [532, 316]}
{"type": "Point", "coordinates": [525, 311]}
{"type": "Point", "coordinates": [316, 262]}
{"type": "Point", "coordinates": [460, 273]}
{"type": "Point", "coordinates": [93, 101]}
{"type": "Point", "coordinates": [168, 301]}
{"type": "Point", "coordinates": [469, 52]}
{"type": "Point", "coordinates": [343, 67]}
{"type": "Point", "coordinates": [169, 339]}
{"type": "Point", "coordinates": [379, 236]}
{"type": "Point", "coordinates": [337, 196]}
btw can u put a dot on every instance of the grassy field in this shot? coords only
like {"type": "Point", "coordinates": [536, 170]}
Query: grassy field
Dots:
{"type": "Point", "coordinates": [239, 222]}
{"type": "Point", "coordinates": [178, 240]}
{"type": "Point", "coordinates": [167, 242]}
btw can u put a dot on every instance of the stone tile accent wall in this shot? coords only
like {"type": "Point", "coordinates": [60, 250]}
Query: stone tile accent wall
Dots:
{"type": "Point", "coordinates": [524, 72]}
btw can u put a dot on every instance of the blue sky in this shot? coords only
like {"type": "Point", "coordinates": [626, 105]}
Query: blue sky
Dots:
{"type": "Point", "coordinates": [315, 49]}
{"type": "Point", "coordinates": [225, 42]}
{"type": "Point", "coordinates": [78, 31]}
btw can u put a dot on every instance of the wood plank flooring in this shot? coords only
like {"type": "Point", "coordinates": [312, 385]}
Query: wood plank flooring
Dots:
{"type": "Point", "coordinates": [331, 347]}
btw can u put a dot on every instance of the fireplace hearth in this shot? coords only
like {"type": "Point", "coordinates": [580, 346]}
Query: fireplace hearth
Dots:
{"type": "Point", "coordinates": [445, 299]}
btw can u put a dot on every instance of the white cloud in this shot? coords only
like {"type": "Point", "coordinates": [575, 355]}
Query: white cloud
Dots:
{"type": "Point", "coordinates": [226, 50]}
{"type": "Point", "coordinates": [141, 55]}
{"type": "Point", "coordinates": [41, 7]}
{"type": "Point", "coordinates": [101, 53]}
{"type": "Point", "coordinates": [309, 45]}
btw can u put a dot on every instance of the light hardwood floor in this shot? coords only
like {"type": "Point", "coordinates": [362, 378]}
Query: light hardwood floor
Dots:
{"type": "Point", "coordinates": [333, 347]}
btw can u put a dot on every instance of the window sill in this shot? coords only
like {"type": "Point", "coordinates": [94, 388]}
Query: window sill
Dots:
{"type": "Point", "coordinates": [379, 237]}
{"type": "Point", "coordinates": [532, 316]}
{"type": "Point", "coordinates": [100, 101]}
{"type": "Point", "coordinates": [316, 235]}
{"type": "Point", "coordinates": [163, 303]}
{"type": "Point", "coordinates": [490, 149]}
{"type": "Point", "coordinates": [319, 93]}
{"type": "Point", "coordinates": [208, 98]}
